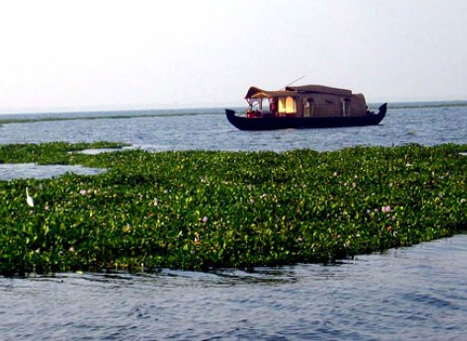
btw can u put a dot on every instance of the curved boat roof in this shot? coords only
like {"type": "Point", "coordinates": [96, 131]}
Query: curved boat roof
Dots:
{"type": "Point", "coordinates": [255, 92]}
{"type": "Point", "coordinates": [320, 89]}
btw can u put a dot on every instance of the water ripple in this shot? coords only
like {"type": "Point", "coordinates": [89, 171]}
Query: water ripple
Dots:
{"type": "Point", "coordinates": [399, 294]}
{"type": "Point", "coordinates": [426, 126]}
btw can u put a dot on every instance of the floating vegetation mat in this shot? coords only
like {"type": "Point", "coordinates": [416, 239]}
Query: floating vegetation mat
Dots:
{"type": "Point", "coordinates": [201, 210]}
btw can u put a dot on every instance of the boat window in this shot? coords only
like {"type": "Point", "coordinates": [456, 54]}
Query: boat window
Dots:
{"type": "Point", "coordinates": [345, 107]}
{"type": "Point", "coordinates": [308, 107]}
{"type": "Point", "coordinates": [281, 105]}
{"type": "Point", "coordinates": [290, 106]}
{"type": "Point", "coordinates": [287, 105]}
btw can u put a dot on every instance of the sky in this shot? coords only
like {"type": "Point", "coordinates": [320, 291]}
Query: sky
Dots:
{"type": "Point", "coordinates": [83, 55]}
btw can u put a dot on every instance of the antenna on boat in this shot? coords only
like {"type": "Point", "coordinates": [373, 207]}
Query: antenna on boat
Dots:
{"type": "Point", "coordinates": [295, 80]}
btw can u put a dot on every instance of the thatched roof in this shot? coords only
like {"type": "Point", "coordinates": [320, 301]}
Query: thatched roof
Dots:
{"type": "Point", "coordinates": [255, 92]}
{"type": "Point", "coordinates": [320, 89]}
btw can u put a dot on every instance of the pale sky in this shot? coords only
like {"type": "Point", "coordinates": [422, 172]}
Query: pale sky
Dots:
{"type": "Point", "coordinates": [62, 55]}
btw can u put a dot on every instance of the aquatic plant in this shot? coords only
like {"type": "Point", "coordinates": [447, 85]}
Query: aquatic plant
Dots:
{"type": "Point", "coordinates": [204, 209]}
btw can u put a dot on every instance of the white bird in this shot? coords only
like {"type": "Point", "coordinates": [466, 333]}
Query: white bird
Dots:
{"type": "Point", "coordinates": [29, 199]}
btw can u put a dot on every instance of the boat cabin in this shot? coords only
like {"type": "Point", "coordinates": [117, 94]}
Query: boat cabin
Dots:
{"type": "Point", "coordinates": [305, 101]}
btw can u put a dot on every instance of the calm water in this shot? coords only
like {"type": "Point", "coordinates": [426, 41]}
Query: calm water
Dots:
{"type": "Point", "coordinates": [417, 293]}
{"type": "Point", "coordinates": [211, 131]}
{"type": "Point", "coordinates": [404, 294]}
{"type": "Point", "coordinates": [28, 170]}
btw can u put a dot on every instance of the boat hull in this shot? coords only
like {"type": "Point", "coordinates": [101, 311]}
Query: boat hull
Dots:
{"type": "Point", "coordinates": [273, 123]}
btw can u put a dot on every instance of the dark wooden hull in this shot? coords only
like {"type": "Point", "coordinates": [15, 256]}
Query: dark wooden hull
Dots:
{"type": "Point", "coordinates": [272, 123]}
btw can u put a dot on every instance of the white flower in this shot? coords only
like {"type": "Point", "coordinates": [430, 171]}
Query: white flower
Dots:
{"type": "Point", "coordinates": [386, 209]}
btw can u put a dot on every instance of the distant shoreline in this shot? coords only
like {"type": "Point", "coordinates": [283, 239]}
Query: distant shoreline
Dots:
{"type": "Point", "coordinates": [28, 117]}
{"type": "Point", "coordinates": [433, 104]}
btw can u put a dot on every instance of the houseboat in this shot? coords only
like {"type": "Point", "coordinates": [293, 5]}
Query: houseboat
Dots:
{"type": "Point", "coordinates": [305, 106]}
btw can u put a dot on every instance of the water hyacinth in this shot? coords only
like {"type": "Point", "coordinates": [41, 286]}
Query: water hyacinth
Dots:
{"type": "Point", "coordinates": [195, 210]}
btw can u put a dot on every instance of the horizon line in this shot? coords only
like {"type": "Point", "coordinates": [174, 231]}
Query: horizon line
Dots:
{"type": "Point", "coordinates": [161, 107]}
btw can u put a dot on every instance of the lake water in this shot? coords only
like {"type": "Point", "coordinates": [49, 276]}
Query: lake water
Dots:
{"type": "Point", "coordinates": [417, 293]}
{"type": "Point", "coordinates": [209, 130]}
